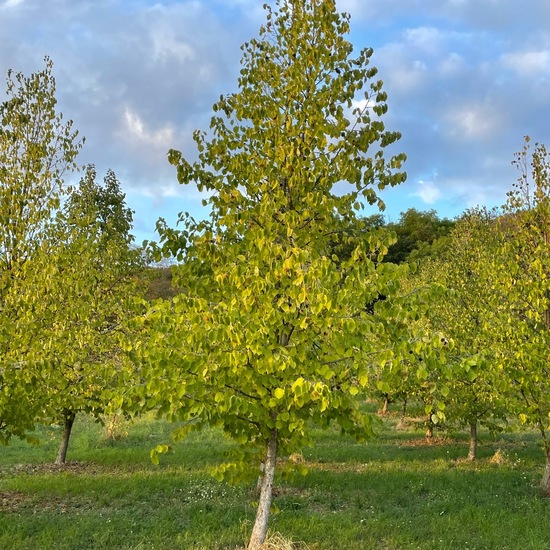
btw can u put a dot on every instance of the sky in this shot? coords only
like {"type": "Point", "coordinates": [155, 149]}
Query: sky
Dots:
{"type": "Point", "coordinates": [466, 81]}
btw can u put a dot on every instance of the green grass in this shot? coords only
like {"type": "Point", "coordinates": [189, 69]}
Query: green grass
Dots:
{"type": "Point", "coordinates": [392, 493]}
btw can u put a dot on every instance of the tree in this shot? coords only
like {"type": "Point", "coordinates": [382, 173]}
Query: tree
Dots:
{"type": "Point", "coordinates": [499, 305]}
{"type": "Point", "coordinates": [272, 331]}
{"type": "Point", "coordinates": [37, 149]}
{"type": "Point", "coordinates": [88, 300]}
{"type": "Point", "coordinates": [415, 232]}
{"type": "Point", "coordinates": [521, 276]}
{"type": "Point", "coordinates": [475, 390]}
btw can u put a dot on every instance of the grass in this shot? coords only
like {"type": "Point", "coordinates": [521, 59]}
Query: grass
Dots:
{"type": "Point", "coordinates": [393, 493]}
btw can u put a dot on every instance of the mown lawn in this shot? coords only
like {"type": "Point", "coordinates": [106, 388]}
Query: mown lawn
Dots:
{"type": "Point", "coordinates": [392, 493]}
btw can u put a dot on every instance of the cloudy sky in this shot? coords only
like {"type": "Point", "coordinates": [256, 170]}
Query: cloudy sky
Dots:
{"type": "Point", "coordinates": [466, 80]}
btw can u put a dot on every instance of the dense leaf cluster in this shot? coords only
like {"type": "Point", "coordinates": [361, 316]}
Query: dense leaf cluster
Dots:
{"type": "Point", "coordinates": [67, 269]}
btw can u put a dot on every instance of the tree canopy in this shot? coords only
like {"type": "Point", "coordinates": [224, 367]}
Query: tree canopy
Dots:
{"type": "Point", "coordinates": [416, 231]}
{"type": "Point", "coordinates": [67, 267]}
{"type": "Point", "coordinates": [272, 330]}
{"type": "Point", "coordinates": [93, 281]}
{"type": "Point", "coordinates": [37, 150]}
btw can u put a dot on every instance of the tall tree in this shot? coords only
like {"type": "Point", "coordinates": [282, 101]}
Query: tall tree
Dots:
{"type": "Point", "coordinates": [37, 149]}
{"type": "Point", "coordinates": [272, 331]}
{"type": "Point", "coordinates": [521, 275]}
{"type": "Point", "coordinates": [475, 388]}
{"type": "Point", "coordinates": [92, 282]}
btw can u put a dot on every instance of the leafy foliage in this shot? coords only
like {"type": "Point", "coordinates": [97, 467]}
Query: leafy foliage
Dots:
{"type": "Point", "coordinates": [495, 269]}
{"type": "Point", "coordinates": [36, 150]}
{"type": "Point", "coordinates": [273, 331]}
{"type": "Point", "coordinates": [522, 270]}
{"type": "Point", "coordinates": [67, 270]}
{"type": "Point", "coordinates": [416, 231]}
{"type": "Point", "coordinates": [475, 389]}
{"type": "Point", "coordinates": [88, 301]}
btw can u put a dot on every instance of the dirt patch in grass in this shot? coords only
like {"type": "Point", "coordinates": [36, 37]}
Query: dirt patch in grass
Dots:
{"type": "Point", "coordinates": [290, 491]}
{"type": "Point", "coordinates": [74, 467]}
{"type": "Point", "coordinates": [435, 441]}
{"type": "Point", "coordinates": [354, 467]}
{"type": "Point", "coordinates": [11, 501]}
{"type": "Point", "coordinates": [17, 501]}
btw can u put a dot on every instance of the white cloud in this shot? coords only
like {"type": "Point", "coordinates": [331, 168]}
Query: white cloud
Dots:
{"type": "Point", "coordinates": [477, 121]}
{"type": "Point", "coordinates": [471, 191]}
{"type": "Point", "coordinates": [421, 57]}
{"type": "Point", "coordinates": [400, 71]}
{"type": "Point", "coordinates": [167, 190]}
{"type": "Point", "coordinates": [427, 191]}
{"type": "Point", "coordinates": [407, 78]}
{"type": "Point", "coordinates": [529, 64]}
{"type": "Point", "coordinates": [362, 103]}
{"type": "Point", "coordinates": [452, 65]}
{"type": "Point", "coordinates": [135, 131]}
{"type": "Point", "coordinates": [11, 3]}
{"type": "Point", "coordinates": [166, 45]}
{"type": "Point", "coordinates": [427, 39]}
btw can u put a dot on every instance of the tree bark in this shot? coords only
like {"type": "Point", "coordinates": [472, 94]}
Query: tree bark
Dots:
{"type": "Point", "coordinates": [472, 452]}
{"type": "Point", "coordinates": [384, 409]}
{"type": "Point", "coordinates": [404, 410]}
{"type": "Point", "coordinates": [68, 421]}
{"type": "Point", "coordinates": [429, 428]}
{"type": "Point", "coordinates": [545, 483]}
{"type": "Point", "coordinates": [259, 531]}
{"type": "Point", "coordinates": [259, 482]}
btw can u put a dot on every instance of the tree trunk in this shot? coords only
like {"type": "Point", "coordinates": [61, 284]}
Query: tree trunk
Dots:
{"type": "Point", "coordinates": [545, 483]}
{"type": "Point", "coordinates": [259, 482]}
{"type": "Point", "coordinates": [473, 441]}
{"type": "Point", "coordinates": [384, 409]}
{"type": "Point", "coordinates": [404, 410]}
{"type": "Point", "coordinates": [259, 530]}
{"type": "Point", "coordinates": [68, 421]}
{"type": "Point", "coordinates": [429, 428]}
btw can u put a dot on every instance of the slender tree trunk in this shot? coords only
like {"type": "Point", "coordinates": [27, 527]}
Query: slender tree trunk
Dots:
{"type": "Point", "coordinates": [545, 483]}
{"type": "Point", "coordinates": [68, 421]}
{"type": "Point", "coordinates": [384, 409]}
{"type": "Point", "coordinates": [429, 428]}
{"type": "Point", "coordinates": [260, 478]}
{"type": "Point", "coordinates": [259, 531]}
{"type": "Point", "coordinates": [472, 452]}
{"type": "Point", "coordinates": [404, 410]}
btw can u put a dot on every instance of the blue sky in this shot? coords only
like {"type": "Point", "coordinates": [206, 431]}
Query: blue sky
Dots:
{"type": "Point", "coordinates": [466, 80]}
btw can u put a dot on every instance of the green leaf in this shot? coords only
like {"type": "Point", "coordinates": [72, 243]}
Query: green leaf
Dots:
{"type": "Point", "coordinates": [279, 393]}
